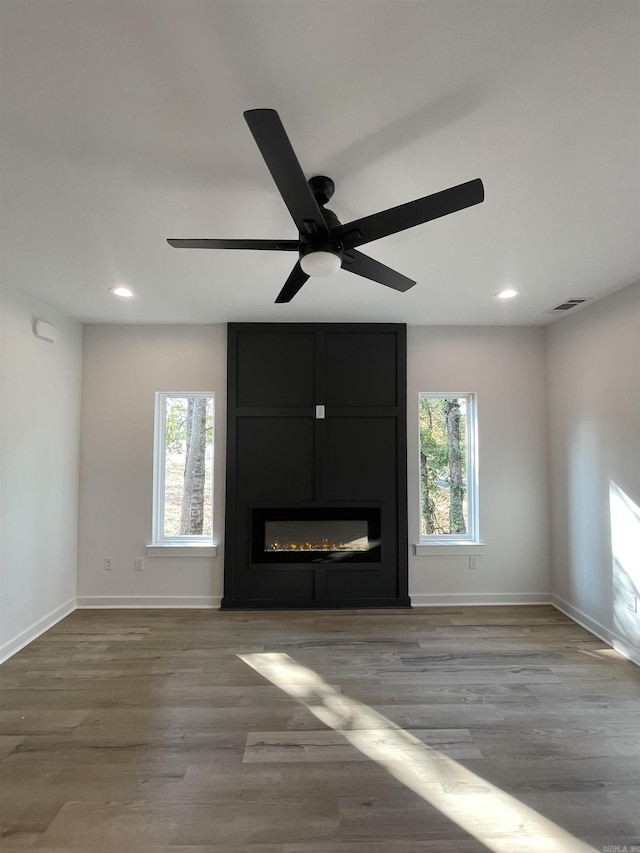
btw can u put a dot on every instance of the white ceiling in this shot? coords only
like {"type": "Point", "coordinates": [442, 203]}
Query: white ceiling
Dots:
{"type": "Point", "coordinates": [122, 125]}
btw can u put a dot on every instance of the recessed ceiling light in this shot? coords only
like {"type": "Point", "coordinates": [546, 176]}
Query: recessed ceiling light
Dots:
{"type": "Point", "coordinates": [507, 293]}
{"type": "Point", "coordinates": [121, 291]}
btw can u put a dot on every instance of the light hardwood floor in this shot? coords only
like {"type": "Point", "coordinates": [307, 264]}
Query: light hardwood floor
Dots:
{"type": "Point", "coordinates": [454, 730]}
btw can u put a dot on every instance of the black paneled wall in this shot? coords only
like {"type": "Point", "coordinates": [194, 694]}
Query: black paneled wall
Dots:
{"type": "Point", "coordinates": [284, 453]}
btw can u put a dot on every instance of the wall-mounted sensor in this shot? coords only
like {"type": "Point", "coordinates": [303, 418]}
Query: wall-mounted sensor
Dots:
{"type": "Point", "coordinates": [45, 331]}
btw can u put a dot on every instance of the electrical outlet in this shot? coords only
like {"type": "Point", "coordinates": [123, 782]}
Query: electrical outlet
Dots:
{"type": "Point", "coordinates": [473, 561]}
{"type": "Point", "coordinates": [107, 564]}
{"type": "Point", "coordinates": [632, 602]}
{"type": "Point", "coordinates": [139, 564]}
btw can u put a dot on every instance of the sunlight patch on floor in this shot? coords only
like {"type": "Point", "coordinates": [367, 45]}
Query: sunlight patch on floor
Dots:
{"type": "Point", "coordinates": [499, 821]}
{"type": "Point", "coordinates": [608, 655]}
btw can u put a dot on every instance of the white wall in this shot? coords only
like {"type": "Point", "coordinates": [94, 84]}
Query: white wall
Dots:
{"type": "Point", "coordinates": [594, 428]}
{"type": "Point", "coordinates": [39, 442]}
{"type": "Point", "coordinates": [505, 367]}
{"type": "Point", "coordinates": [125, 365]}
{"type": "Point", "coordinates": [123, 368]}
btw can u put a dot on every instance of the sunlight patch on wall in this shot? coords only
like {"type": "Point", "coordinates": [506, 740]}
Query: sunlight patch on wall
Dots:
{"type": "Point", "coordinates": [486, 812]}
{"type": "Point", "coordinates": [625, 550]}
{"type": "Point", "coordinates": [587, 519]}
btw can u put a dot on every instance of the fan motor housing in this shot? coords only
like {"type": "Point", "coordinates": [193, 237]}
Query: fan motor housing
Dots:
{"type": "Point", "coordinates": [333, 246]}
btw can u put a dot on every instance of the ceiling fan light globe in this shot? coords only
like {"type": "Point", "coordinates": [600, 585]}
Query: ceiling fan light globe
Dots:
{"type": "Point", "coordinates": [320, 264]}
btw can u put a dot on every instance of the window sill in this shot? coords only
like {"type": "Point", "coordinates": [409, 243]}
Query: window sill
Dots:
{"type": "Point", "coordinates": [194, 550]}
{"type": "Point", "coordinates": [454, 549]}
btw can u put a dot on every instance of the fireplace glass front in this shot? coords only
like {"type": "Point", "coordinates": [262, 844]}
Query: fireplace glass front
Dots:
{"type": "Point", "coordinates": [315, 535]}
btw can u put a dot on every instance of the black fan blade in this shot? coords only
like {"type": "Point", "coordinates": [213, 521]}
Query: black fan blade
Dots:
{"type": "Point", "coordinates": [368, 268]}
{"type": "Point", "coordinates": [274, 145]}
{"type": "Point", "coordinates": [410, 214]}
{"type": "Point", "coordinates": [293, 284]}
{"type": "Point", "coordinates": [279, 245]}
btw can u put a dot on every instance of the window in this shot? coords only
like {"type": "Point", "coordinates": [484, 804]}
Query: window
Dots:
{"type": "Point", "coordinates": [183, 469]}
{"type": "Point", "coordinates": [448, 480]}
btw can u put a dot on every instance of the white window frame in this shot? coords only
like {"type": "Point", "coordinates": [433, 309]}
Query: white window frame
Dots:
{"type": "Point", "coordinates": [472, 536]}
{"type": "Point", "coordinates": [159, 457]}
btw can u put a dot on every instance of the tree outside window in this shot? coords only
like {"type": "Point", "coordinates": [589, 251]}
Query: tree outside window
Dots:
{"type": "Point", "coordinates": [448, 497]}
{"type": "Point", "coordinates": [183, 483]}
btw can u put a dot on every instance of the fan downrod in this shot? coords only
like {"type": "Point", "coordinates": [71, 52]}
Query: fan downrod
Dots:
{"type": "Point", "coordinates": [322, 188]}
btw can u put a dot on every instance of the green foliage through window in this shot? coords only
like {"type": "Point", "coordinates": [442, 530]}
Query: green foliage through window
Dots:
{"type": "Point", "coordinates": [184, 472]}
{"type": "Point", "coordinates": [444, 461]}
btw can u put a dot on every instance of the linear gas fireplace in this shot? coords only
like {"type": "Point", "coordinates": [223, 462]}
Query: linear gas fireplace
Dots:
{"type": "Point", "coordinates": [315, 534]}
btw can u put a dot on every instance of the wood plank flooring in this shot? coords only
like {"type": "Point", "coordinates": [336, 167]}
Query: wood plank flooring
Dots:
{"type": "Point", "coordinates": [456, 730]}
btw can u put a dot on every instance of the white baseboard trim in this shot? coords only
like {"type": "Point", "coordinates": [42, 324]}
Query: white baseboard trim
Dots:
{"type": "Point", "coordinates": [32, 633]}
{"type": "Point", "coordinates": [159, 602]}
{"type": "Point", "coordinates": [620, 644]}
{"type": "Point", "coordinates": [479, 599]}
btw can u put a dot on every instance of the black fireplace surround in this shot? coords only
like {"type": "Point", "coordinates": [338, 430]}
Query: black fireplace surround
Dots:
{"type": "Point", "coordinates": [316, 511]}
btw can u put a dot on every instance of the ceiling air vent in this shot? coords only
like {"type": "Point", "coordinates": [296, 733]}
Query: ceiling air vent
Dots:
{"type": "Point", "coordinates": [567, 305]}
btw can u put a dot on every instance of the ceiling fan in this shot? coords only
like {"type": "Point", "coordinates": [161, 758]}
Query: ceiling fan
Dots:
{"type": "Point", "coordinates": [324, 245]}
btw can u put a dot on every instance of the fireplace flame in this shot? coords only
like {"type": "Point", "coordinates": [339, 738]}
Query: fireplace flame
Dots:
{"type": "Point", "coordinates": [361, 544]}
